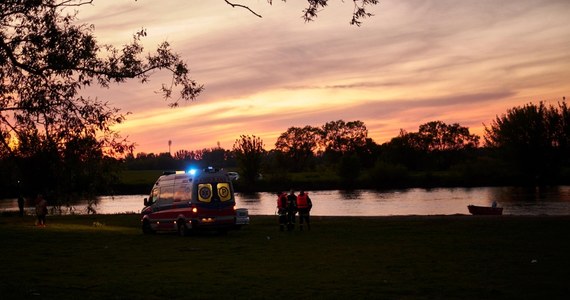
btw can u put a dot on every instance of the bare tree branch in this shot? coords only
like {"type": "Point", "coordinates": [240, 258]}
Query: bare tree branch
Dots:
{"type": "Point", "coordinates": [243, 6]}
{"type": "Point", "coordinates": [314, 7]}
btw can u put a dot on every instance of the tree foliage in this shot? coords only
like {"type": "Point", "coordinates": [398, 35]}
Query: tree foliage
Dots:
{"type": "Point", "coordinates": [360, 10]}
{"type": "Point", "coordinates": [436, 155]}
{"type": "Point", "coordinates": [439, 136]}
{"type": "Point", "coordinates": [534, 138]}
{"type": "Point", "coordinates": [435, 145]}
{"type": "Point", "coordinates": [405, 150]}
{"type": "Point", "coordinates": [343, 137]}
{"type": "Point", "coordinates": [249, 152]}
{"type": "Point", "coordinates": [46, 60]}
{"type": "Point", "coordinates": [349, 169]}
{"type": "Point", "coordinates": [310, 13]}
{"type": "Point", "coordinates": [298, 145]}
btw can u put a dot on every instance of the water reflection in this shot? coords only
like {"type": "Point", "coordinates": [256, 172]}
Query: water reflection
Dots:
{"type": "Point", "coordinates": [350, 195]}
{"type": "Point", "coordinates": [249, 197]}
{"type": "Point", "coordinates": [532, 195]}
{"type": "Point", "coordinates": [437, 201]}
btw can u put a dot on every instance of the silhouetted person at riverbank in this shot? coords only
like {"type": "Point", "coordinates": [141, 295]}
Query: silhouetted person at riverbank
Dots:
{"type": "Point", "coordinates": [304, 205]}
{"type": "Point", "coordinates": [21, 205]}
{"type": "Point", "coordinates": [282, 209]}
{"type": "Point", "coordinates": [41, 210]}
{"type": "Point", "coordinates": [291, 210]}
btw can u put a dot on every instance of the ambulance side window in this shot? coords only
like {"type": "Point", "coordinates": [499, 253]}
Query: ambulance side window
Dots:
{"type": "Point", "coordinates": [166, 195]}
{"type": "Point", "coordinates": [154, 195]}
{"type": "Point", "coordinates": [183, 193]}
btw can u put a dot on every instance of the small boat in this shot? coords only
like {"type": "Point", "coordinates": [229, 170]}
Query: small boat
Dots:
{"type": "Point", "coordinates": [484, 210]}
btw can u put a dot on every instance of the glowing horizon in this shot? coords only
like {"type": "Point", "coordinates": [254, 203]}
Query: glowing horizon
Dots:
{"type": "Point", "coordinates": [413, 62]}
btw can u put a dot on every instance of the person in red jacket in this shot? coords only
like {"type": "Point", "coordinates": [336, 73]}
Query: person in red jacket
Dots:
{"type": "Point", "coordinates": [282, 209]}
{"type": "Point", "coordinates": [304, 206]}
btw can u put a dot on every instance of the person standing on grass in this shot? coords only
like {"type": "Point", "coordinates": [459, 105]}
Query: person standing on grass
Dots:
{"type": "Point", "coordinates": [304, 205]}
{"type": "Point", "coordinates": [291, 210]}
{"type": "Point", "coordinates": [282, 209]}
{"type": "Point", "coordinates": [41, 210]}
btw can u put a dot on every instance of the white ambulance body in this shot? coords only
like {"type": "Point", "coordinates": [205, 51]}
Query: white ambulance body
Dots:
{"type": "Point", "coordinates": [186, 202]}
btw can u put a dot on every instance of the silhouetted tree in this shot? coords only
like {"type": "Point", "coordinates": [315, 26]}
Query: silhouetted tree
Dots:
{"type": "Point", "coordinates": [249, 152]}
{"type": "Point", "coordinates": [215, 157]}
{"type": "Point", "coordinates": [186, 155]}
{"type": "Point", "coordinates": [406, 150]}
{"type": "Point", "coordinates": [438, 136]}
{"type": "Point", "coordinates": [339, 138]}
{"type": "Point", "coordinates": [46, 59]}
{"type": "Point", "coordinates": [349, 169]}
{"type": "Point", "coordinates": [533, 138]}
{"type": "Point", "coordinates": [85, 169]}
{"type": "Point", "coordinates": [368, 153]}
{"type": "Point", "coordinates": [436, 145]}
{"type": "Point", "coordinates": [386, 174]}
{"type": "Point", "coordinates": [298, 146]}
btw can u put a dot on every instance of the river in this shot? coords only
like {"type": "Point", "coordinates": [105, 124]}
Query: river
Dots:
{"type": "Point", "coordinates": [416, 201]}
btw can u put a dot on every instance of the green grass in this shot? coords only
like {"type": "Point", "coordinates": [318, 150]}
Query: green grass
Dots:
{"type": "Point", "coordinates": [462, 257]}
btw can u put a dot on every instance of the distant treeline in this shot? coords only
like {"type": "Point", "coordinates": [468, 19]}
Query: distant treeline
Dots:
{"type": "Point", "coordinates": [528, 145]}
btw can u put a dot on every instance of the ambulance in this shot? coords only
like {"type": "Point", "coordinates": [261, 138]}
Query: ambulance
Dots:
{"type": "Point", "coordinates": [185, 202]}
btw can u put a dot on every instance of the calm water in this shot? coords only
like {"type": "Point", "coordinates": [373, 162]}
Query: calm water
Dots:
{"type": "Point", "coordinates": [440, 201]}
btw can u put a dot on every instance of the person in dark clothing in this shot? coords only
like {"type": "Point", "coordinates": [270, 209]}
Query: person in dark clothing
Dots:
{"type": "Point", "coordinates": [282, 209]}
{"type": "Point", "coordinates": [41, 210]}
{"type": "Point", "coordinates": [304, 205]}
{"type": "Point", "coordinates": [291, 210]}
{"type": "Point", "coordinates": [21, 205]}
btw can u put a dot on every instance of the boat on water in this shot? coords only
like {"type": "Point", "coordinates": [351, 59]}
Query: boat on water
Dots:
{"type": "Point", "coordinates": [484, 210]}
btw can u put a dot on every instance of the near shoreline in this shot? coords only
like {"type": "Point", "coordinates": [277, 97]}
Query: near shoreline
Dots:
{"type": "Point", "coordinates": [391, 257]}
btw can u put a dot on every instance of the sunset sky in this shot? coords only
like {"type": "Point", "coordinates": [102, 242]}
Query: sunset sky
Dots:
{"type": "Point", "coordinates": [414, 62]}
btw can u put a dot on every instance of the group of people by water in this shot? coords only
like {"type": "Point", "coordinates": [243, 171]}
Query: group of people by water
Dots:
{"type": "Point", "coordinates": [287, 207]}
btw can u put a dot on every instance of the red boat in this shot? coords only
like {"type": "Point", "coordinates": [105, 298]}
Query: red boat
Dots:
{"type": "Point", "coordinates": [484, 210]}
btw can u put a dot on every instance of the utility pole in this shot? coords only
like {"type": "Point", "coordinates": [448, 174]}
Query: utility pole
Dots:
{"type": "Point", "coordinates": [169, 144]}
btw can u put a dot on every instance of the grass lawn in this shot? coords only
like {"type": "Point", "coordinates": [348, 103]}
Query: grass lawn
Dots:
{"type": "Point", "coordinates": [416, 257]}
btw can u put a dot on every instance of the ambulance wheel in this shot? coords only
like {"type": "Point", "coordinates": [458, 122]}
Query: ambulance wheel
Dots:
{"type": "Point", "coordinates": [146, 229]}
{"type": "Point", "coordinates": [182, 228]}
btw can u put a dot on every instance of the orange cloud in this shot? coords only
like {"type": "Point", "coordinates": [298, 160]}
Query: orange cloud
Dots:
{"type": "Point", "coordinates": [413, 62]}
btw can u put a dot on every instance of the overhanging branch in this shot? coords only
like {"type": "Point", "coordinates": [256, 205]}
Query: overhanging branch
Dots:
{"type": "Point", "coordinates": [243, 6]}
